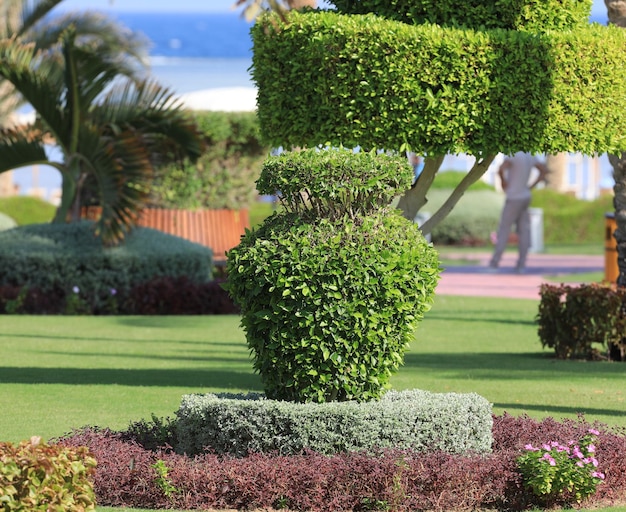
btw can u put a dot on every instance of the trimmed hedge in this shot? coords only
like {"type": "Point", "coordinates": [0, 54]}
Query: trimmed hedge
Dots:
{"type": "Point", "coordinates": [471, 222]}
{"type": "Point", "coordinates": [375, 83]}
{"type": "Point", "coordinates": [572, 318]}
{"type": "Point", "coordinates": [529, 15]}
{"type": "Point", "coordinates": [332, 289]}
{"type": "Point", "coordinates": [224, 176]}
{"type": "Point", "coordinates": [59, 257]}
{"type": "Point", "coordinates": [417, 420]}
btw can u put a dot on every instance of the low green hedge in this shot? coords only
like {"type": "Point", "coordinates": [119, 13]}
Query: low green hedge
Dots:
{"type": "Point", "coordinates": [419, 420]}
{"type": "Point", "coordinates": [53, 256]}
{"type": "Point", "coordinates": [472, 220]}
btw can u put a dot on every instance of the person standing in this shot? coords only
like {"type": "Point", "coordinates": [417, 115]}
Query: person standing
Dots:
{"type": "Point", "coordinates": [515, 175]}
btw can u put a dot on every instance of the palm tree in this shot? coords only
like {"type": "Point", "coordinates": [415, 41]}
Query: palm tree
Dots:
{"type": "Point", "coordinates": [617, 16]}
{"type": "Point", "coordinates": [29, 21]}
{"type": "Point", "coordinates": [252, 8]}
{"type": "Point", "coordinates": [109, 130]}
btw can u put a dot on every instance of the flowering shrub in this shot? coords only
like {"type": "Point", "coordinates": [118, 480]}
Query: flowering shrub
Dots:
{"type": "Point", "coordinates": [75, 304]}
{"type": "Point", "coordinates": [568, 471]}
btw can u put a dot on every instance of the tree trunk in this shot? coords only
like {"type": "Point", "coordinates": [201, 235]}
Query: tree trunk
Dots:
{"type": "Point", "coordinates": [478, 170]}
{"type": "Point", "coordinates": [415, 198]}
{"type": "Point", "coordinates": [557, 178]}
{"type": "Point", "coordinates": [617, 12]}
{"type": "Point", "coordinates": [617, 16]}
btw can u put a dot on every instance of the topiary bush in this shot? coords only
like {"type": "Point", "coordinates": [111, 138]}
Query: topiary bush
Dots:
{"type": "Point", "coordinates": [332, 288]}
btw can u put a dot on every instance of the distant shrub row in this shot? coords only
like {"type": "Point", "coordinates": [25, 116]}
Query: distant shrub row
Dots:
{"type": "Point", "coordinates": [225, 175]}
{"type": "Point", "coordinates": [66, 260]}
{"type": "Point", "coordinates": [158, 296]}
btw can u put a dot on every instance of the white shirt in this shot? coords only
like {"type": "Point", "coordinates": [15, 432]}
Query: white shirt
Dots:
{"type": "Point", "coordinates": [518, 175]}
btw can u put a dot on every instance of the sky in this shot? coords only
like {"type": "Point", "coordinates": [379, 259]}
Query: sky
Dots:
{"type": "Point", "coordinates": [598, 9]}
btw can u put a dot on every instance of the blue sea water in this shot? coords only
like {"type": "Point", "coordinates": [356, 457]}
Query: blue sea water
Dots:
{"type": "Point", "coordinates": [194, 51]}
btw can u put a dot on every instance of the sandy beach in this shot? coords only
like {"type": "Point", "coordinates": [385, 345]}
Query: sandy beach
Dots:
{"type": "Point", "coordinates": [225, 99]}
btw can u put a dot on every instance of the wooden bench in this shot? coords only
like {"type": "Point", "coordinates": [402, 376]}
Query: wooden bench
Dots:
{"type": "Point", "coordinates": [221, 230]}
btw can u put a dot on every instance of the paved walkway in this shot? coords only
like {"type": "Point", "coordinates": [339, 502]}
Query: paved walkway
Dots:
{"type": "Point", "coordinates": [479, 281]}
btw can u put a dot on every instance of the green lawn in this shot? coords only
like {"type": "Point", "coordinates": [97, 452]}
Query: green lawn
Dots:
{"type": "Point", "coordinates": [58, 373]}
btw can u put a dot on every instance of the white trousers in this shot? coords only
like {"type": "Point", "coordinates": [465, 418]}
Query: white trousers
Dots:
{"type": "Point", "coordinates": [515, 211]}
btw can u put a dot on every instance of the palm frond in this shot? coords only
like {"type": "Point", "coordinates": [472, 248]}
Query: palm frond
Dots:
{"type": "Point", "coordinates": [124, 172]}
{"type": "Point", "coordinates": [33, 12]}
{"type": "Point", "coordinates": [155, 112]}
{"type": "Point", "coordinates": [39, 85]}
{"type": "Point", "coordinates": [100, 35]}
{"type": "Point", "coordinates": [20, 147]}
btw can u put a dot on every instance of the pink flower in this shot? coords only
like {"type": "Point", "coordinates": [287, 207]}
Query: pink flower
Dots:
{"type": "Point", "coordinates": [594, 432]}
{"type": "Point", "coordinates": [580, 464]}
{"type": "Point", "coordinates": [530, 447]}
{"type": "Point", "coordinates": [591, 448]}
{"type": "Point", "coordinates": [597, 474]}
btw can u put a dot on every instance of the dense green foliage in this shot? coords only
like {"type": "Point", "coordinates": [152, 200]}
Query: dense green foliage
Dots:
{"type": "Point", "coordinates": [64, 256]}
{"type": "Point", "coordinates": [27, 209]}
{"type": "Point", "coordinates": [573, 318]}
{"type": "Point", "coordinates": [567, 219]}
{"type": "Point", "coordinates": [450, 179]}
{"type": "Point", "coordinates": [383, 84]}
{"type": "Point", "coordinates": [39, 477]}
{"type": "Point", "coordinates": [332, 288]}
{"type": "Point", "coordinates": [471, 222]}
{"type": "Point", "coordinates": [224, 176]}
{"type": "Point", "coordinates": [417, 420]}
{"type": "Point", "coordinates": [529, 15]}
{"type": "Point", "coordinates": [110, 131]}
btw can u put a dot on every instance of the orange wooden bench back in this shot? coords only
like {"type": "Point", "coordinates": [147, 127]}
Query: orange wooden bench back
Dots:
{"type": "Point", "coordinates": [220, 230]}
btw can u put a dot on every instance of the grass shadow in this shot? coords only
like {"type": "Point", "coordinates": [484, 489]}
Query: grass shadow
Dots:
{"type": "Point", "coordinates": [131, 377]}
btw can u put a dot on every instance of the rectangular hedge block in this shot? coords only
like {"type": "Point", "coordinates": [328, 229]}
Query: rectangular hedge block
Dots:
{"type": "Point", "coordinates": [418, 420]}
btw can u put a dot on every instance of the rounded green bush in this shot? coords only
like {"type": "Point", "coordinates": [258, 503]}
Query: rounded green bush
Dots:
{"type": "Point", "coordinates": [332, 289]}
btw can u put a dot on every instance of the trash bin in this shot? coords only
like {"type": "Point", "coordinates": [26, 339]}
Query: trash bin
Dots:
{"type": "Point", "coordinates": [611, 269]}
{"type": "Point", "coordinates": [536, 230]}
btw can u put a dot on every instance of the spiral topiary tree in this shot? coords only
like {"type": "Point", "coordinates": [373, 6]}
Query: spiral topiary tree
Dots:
{"type": "Point", "coordinates": [332, 288]}
{"type": "Point", "coordinates": [453, 76]}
